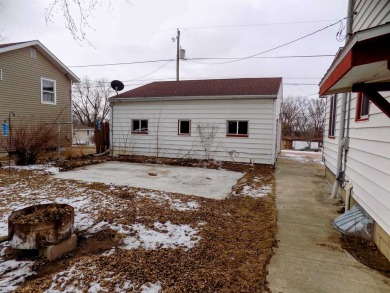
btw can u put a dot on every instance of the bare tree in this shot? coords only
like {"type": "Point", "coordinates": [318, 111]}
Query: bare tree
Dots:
{"type": "Point", "coordinates": [77, 14]}
{"type": "Point", "coordinates": [317, 115]}
{"type": "Point", "coordinates": [303, 117]}
{"type": "Point", "coordinates": [289, 115]}
{"type": "Point", "coordinates": [90, 101]}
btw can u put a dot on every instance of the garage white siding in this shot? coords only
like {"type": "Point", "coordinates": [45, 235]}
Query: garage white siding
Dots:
{"type": "Point", "coordinates": [208, 114]}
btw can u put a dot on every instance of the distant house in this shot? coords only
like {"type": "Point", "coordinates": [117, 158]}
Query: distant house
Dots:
{"type": "Point", "coordinates": [83, 135]}
{"type": "Point", "coordinates": [221, 119]}
{"type": "Point", "coordinates": [357, 126]}
{"type": "Point", "coordinates": [36, 86]}
{"type": "Point", "coordinates": [298, 143]}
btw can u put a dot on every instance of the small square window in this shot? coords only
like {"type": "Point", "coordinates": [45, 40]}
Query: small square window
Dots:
{"type": "Point", "coordinates": [184, 127]}
{"type": "Point", "coordinates": [237, 128]}
{"type": "Point", "coordinates": [362, 107]}
{"type": "Point", "coordinates": [48, 91]}
{"type": "Point", "coordinates": [139, 126]}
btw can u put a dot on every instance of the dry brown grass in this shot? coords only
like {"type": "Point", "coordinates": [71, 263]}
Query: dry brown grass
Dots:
{"type": "Point", "coordinates": [232, 255]}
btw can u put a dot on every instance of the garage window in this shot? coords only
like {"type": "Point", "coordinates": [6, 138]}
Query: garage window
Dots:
{"type": "Point", "coordinates": [362, 107]}
{"type": "Point", "coordinates": [184, 127]}
{"type": "Point", "coordinates": [139, 126]}
{"type": "Point", "coordinates": [237, 128]}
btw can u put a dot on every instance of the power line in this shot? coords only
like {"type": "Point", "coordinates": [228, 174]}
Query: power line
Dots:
{"type": "Point", "coordinates": [277, 47]}
{"type": "Point", "coordinates": [152, 71]}
{"type": "Point", "coordinates": [248, 25]}
{"type": "Point", "coordinates": [203, 58]}
{"type": "Point", "coordinates": [122, 63]}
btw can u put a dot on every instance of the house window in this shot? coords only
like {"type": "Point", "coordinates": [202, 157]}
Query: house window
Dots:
{"type": "Point", "coordinates": [237, 128]}
{"type": "Point", "coordinates": [184, 127]}
{"type": "Point", "coordinates": [1, 74]}
{"type": "Point", "coordinates": [332, 116]}
{"type": "Point", "coordinates": [362, 107]}
{"type": "Point", "coordinates": [33, 54]}
{"type": "Point", "coordinates": [48, 91]}
{"type": "Point", "coordinates": [139, 126]}
{"type": "Point", "coordinates": [87, 132]}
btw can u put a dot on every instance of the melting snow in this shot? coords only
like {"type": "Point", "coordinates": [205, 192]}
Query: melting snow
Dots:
{"type": "Point", "coordinates": [71, 280]}
{"type": "Point", "coordinates": [41, 169]}
{"type": "Point", "coordinates": [255, 191]}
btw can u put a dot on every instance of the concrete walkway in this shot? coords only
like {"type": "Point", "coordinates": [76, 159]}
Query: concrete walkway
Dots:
{"type": "Point", "coordinates": [309, 257]}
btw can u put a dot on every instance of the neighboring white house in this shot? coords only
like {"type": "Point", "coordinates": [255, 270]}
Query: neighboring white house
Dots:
{"type": "Point", "coordinates": [83, 135]}
{"type": "Point", "coordinates": [357, 128]}
{"type": "Point", "coordinates": [221, 119]}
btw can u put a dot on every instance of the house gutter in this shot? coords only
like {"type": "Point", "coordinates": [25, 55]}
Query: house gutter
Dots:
{"type": "Point", "coordinates": [186, 98]}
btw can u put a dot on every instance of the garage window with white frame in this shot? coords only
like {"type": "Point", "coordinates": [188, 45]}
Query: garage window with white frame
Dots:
{"type": "Point", "coordinates": [139, 126]}
{"type": "Point", "coordinates": [184, 127]}
{"type": "Point", "coordinates": [48, 91]}
{"type": "Point", "coordinates": [239, 128]}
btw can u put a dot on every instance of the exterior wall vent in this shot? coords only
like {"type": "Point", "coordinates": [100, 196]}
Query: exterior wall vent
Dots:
{"type": "Point", "coordinates": [33, 53]}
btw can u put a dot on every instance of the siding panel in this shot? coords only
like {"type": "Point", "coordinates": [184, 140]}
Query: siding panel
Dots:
{"type": "Point", "coordinates": [370, 13]}
{"type": "Point", "coordinates": [258, 147]}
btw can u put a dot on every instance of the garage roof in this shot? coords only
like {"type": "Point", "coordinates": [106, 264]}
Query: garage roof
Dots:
{"type": "Point", "coordinates": [210, 87]}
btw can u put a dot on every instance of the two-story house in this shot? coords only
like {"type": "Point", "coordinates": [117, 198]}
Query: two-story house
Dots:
{"type": "Point", "coordinates": [35, 87]}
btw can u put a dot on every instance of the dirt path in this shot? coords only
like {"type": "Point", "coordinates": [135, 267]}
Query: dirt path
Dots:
{"type": "Point", "coordinates": [309, 257]}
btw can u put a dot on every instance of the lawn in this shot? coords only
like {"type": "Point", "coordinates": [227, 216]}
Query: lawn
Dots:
{"type": "Point", "coordinates": [142, 240]}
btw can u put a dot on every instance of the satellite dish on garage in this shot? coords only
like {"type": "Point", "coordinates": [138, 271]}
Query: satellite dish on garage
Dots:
{"type": "Point", "coordinates": [117, 86]}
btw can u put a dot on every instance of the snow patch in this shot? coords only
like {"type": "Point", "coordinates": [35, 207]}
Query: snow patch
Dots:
{"type": "Point", "coordinates": [256, 192]}
{"type": "Point", "coordinates": [40, 169]}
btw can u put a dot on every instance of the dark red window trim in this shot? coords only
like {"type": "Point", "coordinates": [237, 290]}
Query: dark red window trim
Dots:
{"type": "Point", "coordinates": [358, 116]}
{"type": "Point", "coordinates": [332, 116]}
{"type": "Point", "coordinates": [237, 135]}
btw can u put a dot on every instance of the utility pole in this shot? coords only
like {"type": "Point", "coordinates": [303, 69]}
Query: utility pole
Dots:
{"type": "Point", "coordinates": [177, 54]}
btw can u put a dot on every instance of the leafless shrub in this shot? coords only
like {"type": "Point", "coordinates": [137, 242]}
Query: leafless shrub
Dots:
{"type": "Point", "coordinates": [207, 133]}
{"type": "Point", "coordinates": [29, 140]}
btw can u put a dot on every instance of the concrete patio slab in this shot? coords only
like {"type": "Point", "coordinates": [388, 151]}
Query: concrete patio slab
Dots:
{"type": "Point", "coordinates": [186, 180]}
{"type": "Point", "coordinates": [309, 257]}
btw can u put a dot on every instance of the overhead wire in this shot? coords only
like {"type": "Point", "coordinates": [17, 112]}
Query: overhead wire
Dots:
{"type": "Point", "coordinates": [202, 58]}
{"type": "Point", "coordinates": [247, 25]}
{"type": "Point", "coordinates": [277, 47]}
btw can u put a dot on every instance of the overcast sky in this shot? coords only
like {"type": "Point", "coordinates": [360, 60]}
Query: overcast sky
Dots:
{"type": "Point", "coordinates": [142, 30]}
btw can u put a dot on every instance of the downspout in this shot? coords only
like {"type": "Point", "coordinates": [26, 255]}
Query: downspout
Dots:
{"type": "Point", "coordinates": [112, 128]}
{"type": "Point", "coordinates": [339, 174]}
{"type": "Point", "coordinates": [341, 143]}
{"type": "Point", "coordinates": [348, 193]}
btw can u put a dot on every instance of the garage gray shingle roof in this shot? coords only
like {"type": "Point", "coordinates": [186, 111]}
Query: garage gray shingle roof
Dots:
{"type": "Point", "coordinates": [208, 87]}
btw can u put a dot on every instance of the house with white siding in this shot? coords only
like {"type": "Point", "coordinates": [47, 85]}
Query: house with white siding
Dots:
{"type": "Point", "coordinates": [221, 119]}
{"type": "Point", "coordinates": [357, 127]}
{"type": "Point", "coordinates": [83, 135]}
